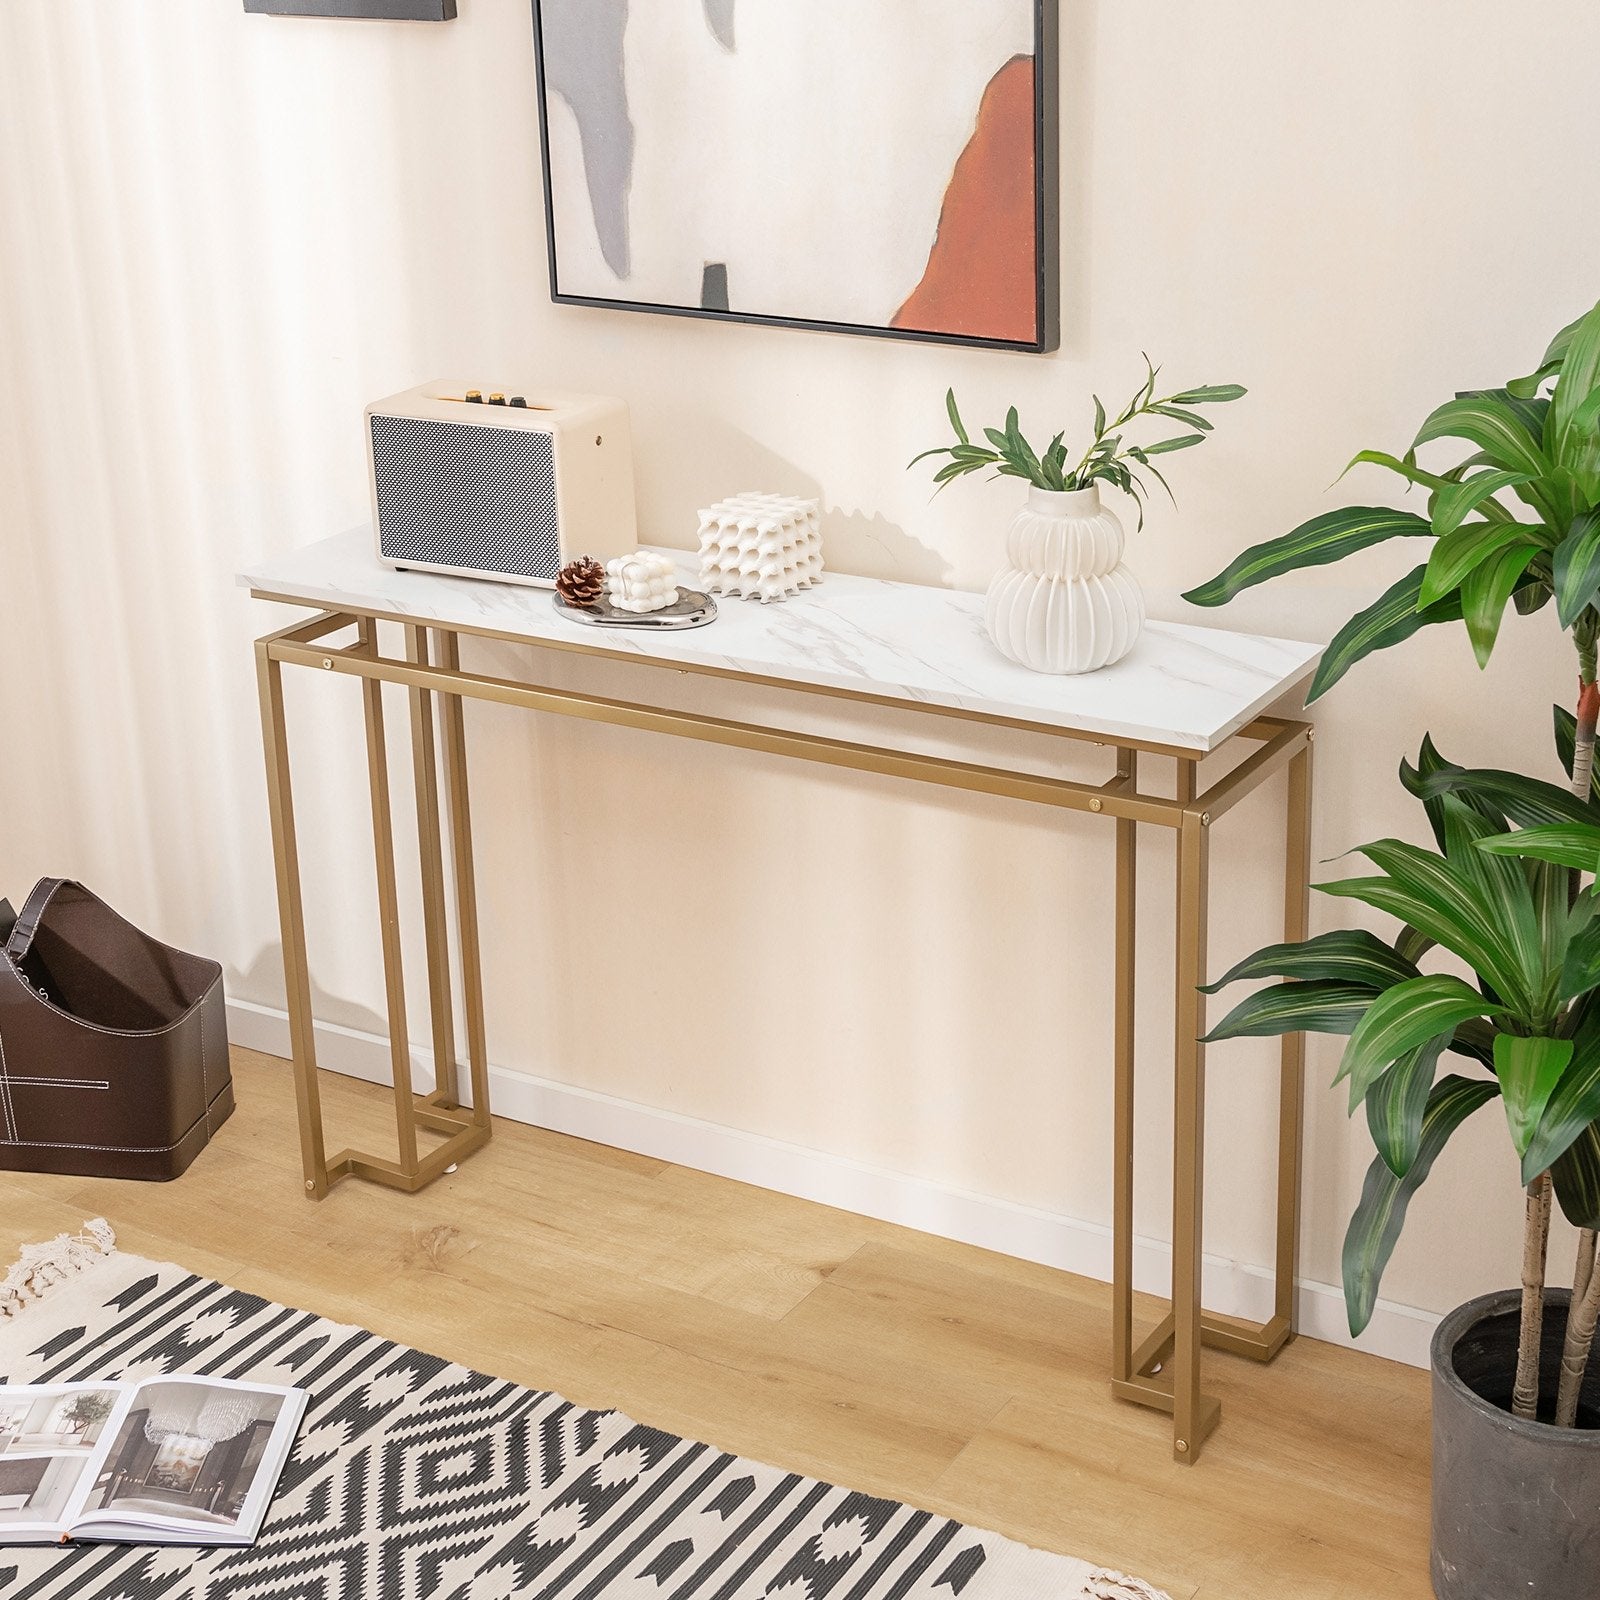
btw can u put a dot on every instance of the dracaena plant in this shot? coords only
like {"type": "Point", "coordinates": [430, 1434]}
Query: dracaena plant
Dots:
{"type": "Point", "coordinates": [1501, 902]}
{"type": "Point", "coordinates": [1540, 450]}
{"type": "Point", "coordinates": [1111, 458]}
{"type": "Point", "coordinates": [1514, 906]}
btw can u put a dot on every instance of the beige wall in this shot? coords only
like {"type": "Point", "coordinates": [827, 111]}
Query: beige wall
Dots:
{"type": "Point", "coordinates": [220, 235]}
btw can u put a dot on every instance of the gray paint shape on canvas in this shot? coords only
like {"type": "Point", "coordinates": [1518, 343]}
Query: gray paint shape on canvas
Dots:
{"type": "Point", "coordinates": [719, 18]}
{"type": "Point", "coordinates": [583, 63]}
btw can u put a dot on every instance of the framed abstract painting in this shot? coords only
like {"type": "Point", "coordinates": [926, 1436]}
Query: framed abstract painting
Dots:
{"type": "Point", "coordinates": [865, 166]}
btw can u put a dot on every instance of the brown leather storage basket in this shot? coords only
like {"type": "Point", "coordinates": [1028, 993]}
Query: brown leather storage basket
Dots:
{"type": "Point", "coordinates": [113, 1046]}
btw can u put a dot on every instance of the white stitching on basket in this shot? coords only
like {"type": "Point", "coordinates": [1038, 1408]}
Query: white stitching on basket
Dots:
{"type": "Point", "coordinates": [109, 1149]}
{"type": "Point", "coordinates": [59, 1083]}
{"type": "Point", "coordinates": [5, 1098]}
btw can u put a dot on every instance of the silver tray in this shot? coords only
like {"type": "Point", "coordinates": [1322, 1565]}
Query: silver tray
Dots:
{"type": "Point", "coordinates": [690, 610]}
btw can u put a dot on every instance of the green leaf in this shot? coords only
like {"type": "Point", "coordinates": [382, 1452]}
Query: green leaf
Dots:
{"type": "Point", "coordinates": [1580, 961]}
{"type": "Point", "coordinates": [1530, 410]}
{"type": "Point", "coordinates": [1461, 551]}
{"type": "Point", "coordinates": [1486, 591]}
{"type": "Point", "coordinates": [1457, 501]}
{"type": "Point", "coordinates": [1493, 426]}
{"type": "Point", "coordinates": [1475, 1039]}
{"type": "Point", "coordinates": [1403, 1018]}
{"type": "Point", "coordinates": [1191, 419]}
{"type": "Point", "coordinates": [1407, 468]}
{"type": "Point", "coordinates": [1183, 442]}
{"type": "Point", "coordinates": [1397, 1101]}
{"type": "Point", "coordinates": [1526, 388]}
{"type": "Point", "coordinates": [1566, 725]}
{"type": "Point", "coordinates": [1467, 915]}
{"type": "Point", "coordinates": [1577, 568]}
{"type": "Point", "coordinates": [1099, 416]}
{"type": "Point", "coordinates": [1210, 394]}
{"type": "Point", "coordinates": [1567, 844]}
{"type": "Point", "coordinates": [1560, 917]}
{"type": "Point", "coordinates": [1295, 1008]}
{"type": "Point", "coordinates": [1528, 802]}
{"type": "Point", "coordinates": [1434, 895]}
{"type": "Point", "coordinates": [1330, 537]}
{"type": "Point", "coordinates": [955, 416]}
{"type": "Point", "coordinates": [1574, 443]}
{"type": "Point", "coordinates": [1392, 618]}
{"type": "Point", "coordinates": [1381, 1213]}
{"type": "Point", "coordinates": [1430, 764]}
{"type": "Point", "coordinates": [1503, 887]}
{"type": "Point", "coordinates": [1528, 1070]}
{"type": "Point", "coordinates": [1577, 1178]}
{"type": "Point", "coordinates": [1554, 357]}
{"type": "Point", "coordinates": [1347, 955]}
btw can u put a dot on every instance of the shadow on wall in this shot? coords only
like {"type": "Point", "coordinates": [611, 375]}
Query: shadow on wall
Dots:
{"type": "Point", "coordinates": [262, 983]}
{"type": "Point", "coordinates": [729, 462]}
{"type": "Point", "coordinates": [870, 544]}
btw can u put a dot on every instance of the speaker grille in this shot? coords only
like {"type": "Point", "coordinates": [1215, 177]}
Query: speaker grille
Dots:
{"type": "Point", "coordinates": [455, 495]}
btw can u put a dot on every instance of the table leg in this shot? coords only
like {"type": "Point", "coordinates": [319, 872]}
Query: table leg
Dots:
{"type": "Point", "coordinates": [389, 916]}
{"type": "Point", "coordinates": [1192, 1415]}
{"type": "Point", "coordinates": [292, 923]}
{"type": "Point", "coordinates": [430, 844]}
{"type": "Point", "coordinates": [1124, 1056]}
{"type": "Point", "coordinates": [455, 763]}
{"type": "Point", "coordinates": [1292, 1082]}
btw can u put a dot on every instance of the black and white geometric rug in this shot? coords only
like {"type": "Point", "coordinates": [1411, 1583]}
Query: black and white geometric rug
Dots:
{"type": "Point", "coordinates": [415, 1479]}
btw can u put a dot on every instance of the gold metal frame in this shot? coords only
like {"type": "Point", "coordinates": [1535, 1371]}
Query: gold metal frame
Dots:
{"type": "Point", "coordinates": [1163, 1369]}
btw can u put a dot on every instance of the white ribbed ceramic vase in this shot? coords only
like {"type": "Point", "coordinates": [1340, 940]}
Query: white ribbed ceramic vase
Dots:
{"type": "Point", "coordinates": [1065, 602]}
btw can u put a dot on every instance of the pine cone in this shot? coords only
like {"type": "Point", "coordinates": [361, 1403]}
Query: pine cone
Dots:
{"type": "Point", "coordinates": [581, 582]}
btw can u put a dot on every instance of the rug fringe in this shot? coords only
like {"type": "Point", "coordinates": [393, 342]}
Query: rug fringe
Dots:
{"type": "Point", "coordinates": [42, 1266]}
{"type": "Point", "coordinates": [1108, 1585]}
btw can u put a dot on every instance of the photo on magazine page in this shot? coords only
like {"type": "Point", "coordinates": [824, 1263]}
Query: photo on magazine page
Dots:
{"type": "Point", "coordinates": [49, 1437]}
{"type": "Point", "coordinates": [194, 1453]}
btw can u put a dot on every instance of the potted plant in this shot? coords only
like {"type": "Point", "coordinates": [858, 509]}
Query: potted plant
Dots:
{"type": "Point", "coordinates": [85, 1411]}
{"type": "Point", "coordinates": [1509, 892]}
{"type": "Point", "coordinates": [1065, 602]}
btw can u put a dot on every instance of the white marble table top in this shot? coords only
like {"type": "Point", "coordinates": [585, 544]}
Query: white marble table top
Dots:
{"type": "Point", "coordinates": [1188, 688]}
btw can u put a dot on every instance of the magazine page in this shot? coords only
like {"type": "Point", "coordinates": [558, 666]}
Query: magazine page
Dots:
{"type": "Point", "coordinates": [53, 1438]}
{"type": "Point", "coordinates": [194, 1461]}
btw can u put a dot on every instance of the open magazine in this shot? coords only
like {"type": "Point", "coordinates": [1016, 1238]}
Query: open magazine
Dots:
{"type": "Point", "coordinates": [168, 1460]}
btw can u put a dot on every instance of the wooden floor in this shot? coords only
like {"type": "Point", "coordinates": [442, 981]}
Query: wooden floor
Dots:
{"type": "Point", "coordinates": [848, 1349]}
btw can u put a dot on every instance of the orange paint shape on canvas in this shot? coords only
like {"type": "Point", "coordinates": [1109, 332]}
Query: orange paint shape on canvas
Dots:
{"type": "Point", "coordinates": [981, 277]}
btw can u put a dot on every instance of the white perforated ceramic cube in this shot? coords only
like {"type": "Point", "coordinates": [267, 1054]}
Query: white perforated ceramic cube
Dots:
{"type": "Point", "coordinates": [761, 546]}
{"type": "Point", "coordinates": [641, 582]}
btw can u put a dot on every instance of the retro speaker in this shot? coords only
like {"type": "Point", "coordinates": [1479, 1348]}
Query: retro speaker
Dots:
{"type": "Point", "coordinates": [496, 488]}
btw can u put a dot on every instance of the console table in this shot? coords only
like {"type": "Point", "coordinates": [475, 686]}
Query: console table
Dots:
{"type": "Point", "coordinates": [1185, 692]}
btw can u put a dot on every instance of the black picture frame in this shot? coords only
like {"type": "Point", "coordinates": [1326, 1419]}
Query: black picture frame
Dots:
{"type": "Point", "coordinates": [1047, 287]}
{"type": "Point", "coordinates": [363, 10]}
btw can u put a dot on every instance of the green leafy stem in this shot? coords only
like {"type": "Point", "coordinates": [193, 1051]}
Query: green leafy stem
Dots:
{"type": "Point", "coordinates": [1111, 457]}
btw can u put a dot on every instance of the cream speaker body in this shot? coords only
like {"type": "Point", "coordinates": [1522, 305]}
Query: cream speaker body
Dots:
{"type": "Point", "coordinates": [506, 490]}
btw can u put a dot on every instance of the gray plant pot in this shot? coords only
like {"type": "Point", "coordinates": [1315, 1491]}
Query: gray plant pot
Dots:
{"type": "Point", "coordinates": [1516, 1504]}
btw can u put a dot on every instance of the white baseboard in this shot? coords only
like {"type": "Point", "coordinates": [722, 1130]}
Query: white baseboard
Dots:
{"type": "Point", "coordinates": [1234, 1288]}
